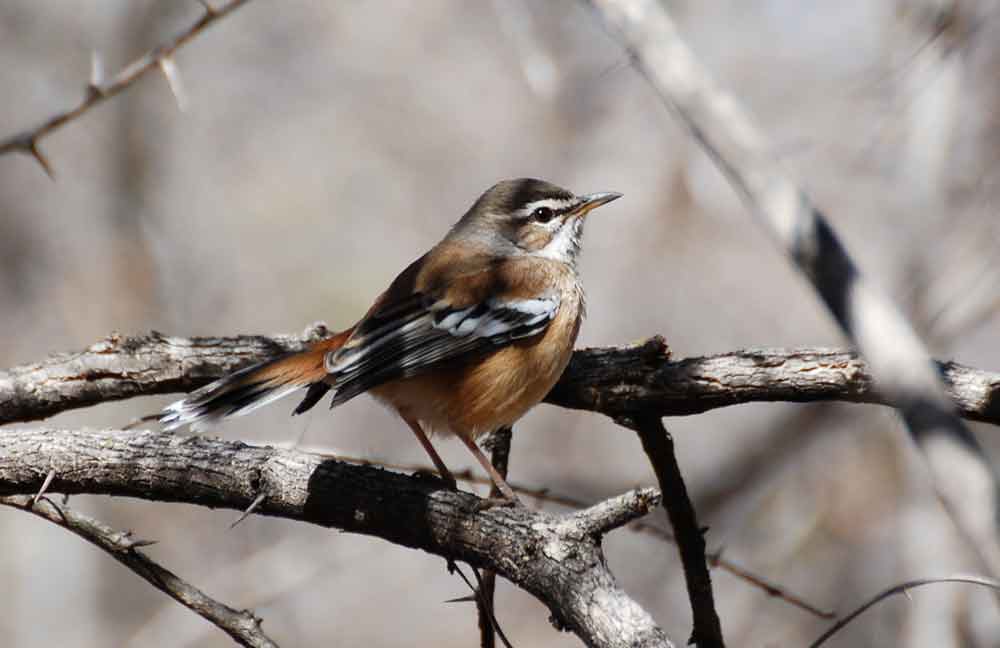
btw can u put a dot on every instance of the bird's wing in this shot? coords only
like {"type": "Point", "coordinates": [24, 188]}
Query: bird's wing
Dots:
{"type": "Point", "coordinates": [424, 331]}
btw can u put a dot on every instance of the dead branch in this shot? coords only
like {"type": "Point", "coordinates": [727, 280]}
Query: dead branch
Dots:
{"type": "Point", "coordinates": [688, 534]}
{"type": "Point", "coordinates": [715, 559]}
{"type": "Point", "coordinates": [901, 588]}
{"type": "Point", "coordinates": [160, 57]}
{"type": "Point", "coordinates": [556, 558]}
{"type": "Point", "coordinates": [615, 381]}
{"type": "Point", "coordinates": [241, 625]}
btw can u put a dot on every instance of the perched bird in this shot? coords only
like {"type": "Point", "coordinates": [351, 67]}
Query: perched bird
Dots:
{"type": "Point", "coordinates": [464, 341]}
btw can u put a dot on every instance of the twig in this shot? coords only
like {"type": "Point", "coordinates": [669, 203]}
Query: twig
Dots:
{"type": "Point", "coordinates": [962, 477]}
{"type": "Point", "coordinates": [486, 611]}
{"type": "Point", "coordinates": [241, 625]}
{"type": "Point", "coordinates": [902, 588]}
{"type": "Point", "coordinates": [689, 535]}
{"type": "Point", "coordinates": [715, 560]}
{"type": "Point", "coordinates": [543, 494]}
{"type": "Point", "coordinates": [160, 57]}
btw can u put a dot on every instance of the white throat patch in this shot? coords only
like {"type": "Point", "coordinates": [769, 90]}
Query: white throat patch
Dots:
{"type": "Point", "coordinates": [565, 243]}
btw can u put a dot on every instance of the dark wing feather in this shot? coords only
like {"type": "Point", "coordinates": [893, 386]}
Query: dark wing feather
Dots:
{"type": "Point", "coordinates": [421, 334]}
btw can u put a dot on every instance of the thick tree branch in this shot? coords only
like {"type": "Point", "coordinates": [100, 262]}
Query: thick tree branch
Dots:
{"type": "Point", "coordinates": [616, 381]}
{"type": "Point", "coordinates": [99, 89]}
{"type": "Point", "coordinates": [241, 625]}
{"type": "Point", "coordinates": [544, 494]}
{"type": "Point", "coordinates": [556, 558]}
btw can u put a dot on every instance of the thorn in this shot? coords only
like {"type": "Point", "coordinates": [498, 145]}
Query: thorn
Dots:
{"type": "Point", "coordinates": [909, 597]}
{"type": "Point", "coordinates": [45, 486]}
{"type": "Point", "coordinates": [471, 598]}
{"type": "Point", "coordinates": [96, 72]}
{"type": "Point", "coordinates": [126, 542]}
{"type": "Point", "coordinates": [40, 158]}
{"type": "Point", "coordinates": [252, 617]}
{"type": "Point", "coordinates": [172, 73]}
{"type": "Point", "coordinates": [254, 504]}
{"type": "Point", "coordinates": [209, 9]}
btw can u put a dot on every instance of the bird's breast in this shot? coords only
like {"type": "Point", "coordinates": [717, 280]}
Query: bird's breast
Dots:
{"type": "Point", "coordinates": [490, 392]}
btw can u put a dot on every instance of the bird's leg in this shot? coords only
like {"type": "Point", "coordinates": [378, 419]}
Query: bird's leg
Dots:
{"type": "Point", "coordinates": [498, 480]}
{"type": "Point", "coordinates": [432, 453]}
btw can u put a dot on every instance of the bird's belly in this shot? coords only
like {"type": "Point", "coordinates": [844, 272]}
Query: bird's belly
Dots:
{"type": "Point", "coordinates": [490, 392]}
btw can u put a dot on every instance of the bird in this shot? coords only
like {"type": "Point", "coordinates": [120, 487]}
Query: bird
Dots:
{"type": "Point", "coordinates": [463, 342]}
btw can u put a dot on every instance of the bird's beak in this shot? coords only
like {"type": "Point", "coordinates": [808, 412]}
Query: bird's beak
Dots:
{"type": "Point", "coordinates": [595, 200]}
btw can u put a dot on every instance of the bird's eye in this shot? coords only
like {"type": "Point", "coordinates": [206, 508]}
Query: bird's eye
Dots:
{"type": "Point", "coordinates": [542, 214]}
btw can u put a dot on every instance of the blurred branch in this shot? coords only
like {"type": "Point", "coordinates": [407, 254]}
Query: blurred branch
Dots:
{"type": "Point", "coordinates": [961, 475]}
{"type": "Point", "coordinates": [558, 559]}
{"type": "Point", "coordinates": [902, 588]}
{"type": "Point", "coordinates": [99, 89]}
{"type": "Point", "coordinates": [615, 381]}
{"type": "Point", "coordinates": [242, 625]}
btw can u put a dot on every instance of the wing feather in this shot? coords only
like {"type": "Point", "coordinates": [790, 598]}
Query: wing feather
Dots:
{"type": "Point", "coordinates": [424, 334]}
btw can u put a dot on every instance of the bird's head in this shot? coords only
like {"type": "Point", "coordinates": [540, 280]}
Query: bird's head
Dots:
{"type": "Point", "coordinates": [533, 217]}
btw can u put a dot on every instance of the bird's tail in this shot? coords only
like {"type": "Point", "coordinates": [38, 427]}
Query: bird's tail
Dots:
{"type": "Point", "coordinates": [255, 386]}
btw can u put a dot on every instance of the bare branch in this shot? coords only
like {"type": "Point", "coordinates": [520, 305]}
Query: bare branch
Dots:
{"type": "Point", "coordinates": [962, 477]}
{"type": "Point", "coordinates": [616, 381]}
{"type": "Point", "coordinates": [499, 447]}
{"type": "Point", "coordinates": [615, 512]}
{"type": "Point", "coordinates": [241, 625]}
{"type": "Point", "coordinates": [902, 588]}
{"type": "Point", "coordinates": [556, 558]}
{"type": "Point", "coordinates": [688, 534]}
{"type": "Point", "coordinates": [715, 559]}
{"type": "Point", "coordinates": [123, 367]}
{"type": "Point", "coordinates": [99, 89]}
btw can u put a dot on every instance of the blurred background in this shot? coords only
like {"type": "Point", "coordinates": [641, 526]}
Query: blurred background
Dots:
{"type": "Point", "coordinates": [323, 146]}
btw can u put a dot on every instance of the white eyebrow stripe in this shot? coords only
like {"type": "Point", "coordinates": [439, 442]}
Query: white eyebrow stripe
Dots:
{"type": "Point", "coordinates": [555, 204]}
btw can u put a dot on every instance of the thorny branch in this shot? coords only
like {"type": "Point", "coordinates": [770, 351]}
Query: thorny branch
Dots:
{"type": "Point", "coordinates": [98, 89]}
{"type": "Point", "coordinates": [242, 625]}
{"type": "Point", "coordinates": [652, 387]}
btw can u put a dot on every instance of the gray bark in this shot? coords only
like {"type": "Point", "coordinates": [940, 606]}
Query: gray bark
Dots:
{"type": "Point", "coordinates": [556, 558]}
{"type": "Point", "coordinates": [616, 381]}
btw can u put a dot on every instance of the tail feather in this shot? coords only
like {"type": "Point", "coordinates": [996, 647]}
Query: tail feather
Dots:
{"type": "Point", "coordinates": [248, 389]}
